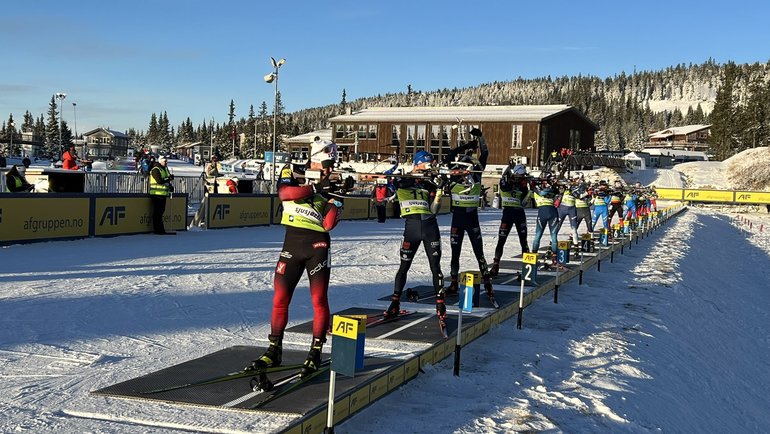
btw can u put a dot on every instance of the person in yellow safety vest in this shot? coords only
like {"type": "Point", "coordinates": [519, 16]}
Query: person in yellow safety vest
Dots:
{"type": "Point", "coordinates": [420, 200]}
{"type": "Point", "coordinates": [310, 212]}
{"type": "Point", "coordinates": [160, 189]}
{"type": "Point", "coordinates": [15, 182]}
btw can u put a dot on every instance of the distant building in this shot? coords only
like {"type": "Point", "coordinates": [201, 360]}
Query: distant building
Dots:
{"type": "Point", "coordinates": [198, 152]}
{"type": "Point", "coordinates": [103, 143]}
{"type": "Point", "coordinates": [521, 133]}
{"type": "Point", "coordinates": [299, 145]}
{"type": "Point", "coordinates": [688, 137]}
{"type": "Point", "coordinates": [670, 157]}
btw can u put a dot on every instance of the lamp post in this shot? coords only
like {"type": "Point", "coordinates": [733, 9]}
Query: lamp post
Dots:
{"type": "Point", "coordinates": [60, 96]}
{"type": "Point", "coordinates": [270, 78]}
{"type": "Point", "coordinates": [75, 122]}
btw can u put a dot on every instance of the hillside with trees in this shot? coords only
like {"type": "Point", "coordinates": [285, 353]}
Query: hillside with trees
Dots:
{"type": "Point", "coordinates": [734, 98]}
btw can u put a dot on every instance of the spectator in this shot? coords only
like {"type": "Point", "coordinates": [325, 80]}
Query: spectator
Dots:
{"type": "Point", "coordinates": [232, 185]}
{"type": "Point", "coordinates": [15, 182]}
{"type": "Point", "coordinates": [3, 162]}
{"type": "Point", "coordinates": [70, 159]}
{"type": "Point", "coordinates": [26, 162]}
{"type": "Point", "coordinates": [212, 169]}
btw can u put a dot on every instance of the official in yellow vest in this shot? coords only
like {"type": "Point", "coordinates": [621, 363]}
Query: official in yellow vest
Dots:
{"type": "Point", "coordinates": [160, 189]}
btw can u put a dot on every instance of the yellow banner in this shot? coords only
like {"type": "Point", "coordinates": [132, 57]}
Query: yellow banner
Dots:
{"type": "Point", "coordinates": [42, 217]}
{"type": "Point", "coordinates": [752, 197]}
{"type": "Point", "coordinates": [708, 195]}
{"type": "Point", "coordinates": [529, 258]}
{"type": "Point", "coordinates": [229, 211]}
{"type": "Point", "coordinates": [356, 209]}
{"type": "Point", "coordinates": [346, 327]}
{"type": "Point", "coordinates": [669, 193]}
{"type": "Point", "coordinates": [131, 215]}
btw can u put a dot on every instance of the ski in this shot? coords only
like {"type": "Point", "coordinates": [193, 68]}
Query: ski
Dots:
{"type": "Point", "coordinates": [375, 320]}
{"type": "Point", "coordinates": [442, 327]}
{"type": "Point", "coordinates": [289, 384]}
{"type": "Point", "coordinates": [226, 377]}
{"type": "Point", "coordinates": [493, 300]}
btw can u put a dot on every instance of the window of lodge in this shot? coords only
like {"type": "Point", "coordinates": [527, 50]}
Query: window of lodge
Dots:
{"type": "Point", "coordinates": [516, 136]}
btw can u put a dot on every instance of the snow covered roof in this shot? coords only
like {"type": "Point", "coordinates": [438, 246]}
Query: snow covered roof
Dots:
{"type": "Point", "coordinates": [469, 114]}
{"type": "Point", "coordinates": [678, 131]}
{"type": "Point", "coordinates": [675, 153]}
{"type": "Point", "coordinates": [324, 134]}
{"type": "Point", "coordinates": [106, 130]}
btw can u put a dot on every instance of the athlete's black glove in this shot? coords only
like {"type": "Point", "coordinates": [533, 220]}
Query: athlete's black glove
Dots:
{"type": "Point", "coordinates": [475, 132]}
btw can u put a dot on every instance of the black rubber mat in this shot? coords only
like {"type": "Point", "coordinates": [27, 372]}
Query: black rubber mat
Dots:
{"type": "Point", "coordinates": [237, 393]}
{"type": "Point", "coordinates": [417, 327]}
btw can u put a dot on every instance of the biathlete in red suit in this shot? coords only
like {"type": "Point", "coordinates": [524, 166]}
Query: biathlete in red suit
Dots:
{"type": "Point", "coordinates": [308, 215]}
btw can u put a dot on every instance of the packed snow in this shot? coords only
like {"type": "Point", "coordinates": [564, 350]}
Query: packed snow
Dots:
{"type": "Point", "coordinates": [671, 337]}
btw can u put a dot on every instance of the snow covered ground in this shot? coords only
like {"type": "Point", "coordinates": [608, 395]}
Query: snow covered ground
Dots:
{"type": "Point", "coordinates": [671, 337]}
{"type": "Point", "coordinates": [665, 338]}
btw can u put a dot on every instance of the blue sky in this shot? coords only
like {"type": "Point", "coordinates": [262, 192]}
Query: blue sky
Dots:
{"type": "Point", "coordinates": [121, 61]}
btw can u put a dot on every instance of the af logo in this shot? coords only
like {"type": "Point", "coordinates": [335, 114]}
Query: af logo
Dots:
{"type": "Point", "coordinates": [220, 211]}
{"type": "Point", "coordinates": [112, 214]}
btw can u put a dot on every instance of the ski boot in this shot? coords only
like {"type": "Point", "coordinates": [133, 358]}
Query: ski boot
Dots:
{"type": "Point", "coordinates": [313, 361]}
{"type": "Point", "coordinates": [395, 307]}
{"type": "Point", "coordinates": [495, 270]}
{"type": "Point", "coordinates": [272, 356]}
{"type": "Point", "coordinates": [453, 287]}
{"type": "Point", "coordinates": [440, 305]}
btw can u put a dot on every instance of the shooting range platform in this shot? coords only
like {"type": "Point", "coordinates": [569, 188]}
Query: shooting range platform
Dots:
{"type": "Point", "coordinates": [304, 409]}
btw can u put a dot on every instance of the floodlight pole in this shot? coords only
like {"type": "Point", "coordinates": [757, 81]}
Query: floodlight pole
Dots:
{"type": "Point", "coordinates": [273, 77]}
{"type": "Point", "coordinates": [60, 96]}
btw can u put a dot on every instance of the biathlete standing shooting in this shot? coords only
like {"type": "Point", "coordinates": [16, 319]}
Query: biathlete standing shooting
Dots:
{"type": "Point", "coordinates": [465, 189]}
{"type": "Point", "coordinates": [514, 193]}
{"type": "Point", "coordinates": [309, 213]}
{"type": "Point", "coordinates": [420, 200]}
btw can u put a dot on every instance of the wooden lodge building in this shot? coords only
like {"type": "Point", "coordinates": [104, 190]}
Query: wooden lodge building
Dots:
{"type": "Point", "coordinates": [527, 134]}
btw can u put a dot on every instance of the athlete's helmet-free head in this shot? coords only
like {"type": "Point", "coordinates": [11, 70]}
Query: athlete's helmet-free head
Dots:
{"type": "Point", "coordinates": [422, 157]}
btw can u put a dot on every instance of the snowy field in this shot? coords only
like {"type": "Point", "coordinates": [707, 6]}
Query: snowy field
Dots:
{"type": "Point", "coordinates": [671, 337]}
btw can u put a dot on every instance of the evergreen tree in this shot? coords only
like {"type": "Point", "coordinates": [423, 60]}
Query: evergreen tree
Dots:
{"type": "Point", "coordinates": [723, 143]}
{"type": "Point", "coordinates": [29, 122]}
{"type": "Point", "coordinates": [343, 102]}
{"type": "Point", "coordinates": [51, 146]}
{"type": "Point", "coordinates": [264, 129]}
{"type": "Point", "coordinates": [153, 131]}
{"type": "Point", "coordinates": [231, 150]}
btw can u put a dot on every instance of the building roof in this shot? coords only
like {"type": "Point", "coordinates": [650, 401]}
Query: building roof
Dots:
{"type": "Point", "coordinates": [324, 134]}
{"type": "Point", "coordinates": [678, 131]}
{"type": "Point", "coordinates": [675, 153]}
{"type": "Point", "coordinates": [468, 114]}
{"type": "Point", "coordinates": [106, 130]}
